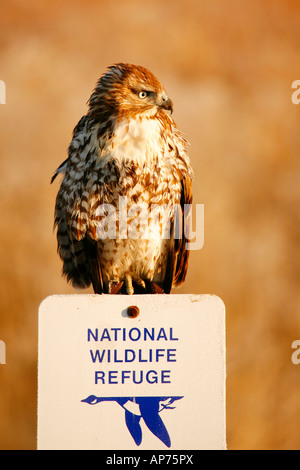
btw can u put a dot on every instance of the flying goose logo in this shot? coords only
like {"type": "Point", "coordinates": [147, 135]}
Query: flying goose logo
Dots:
{"type": "Point", "coordinates": [146, 408]}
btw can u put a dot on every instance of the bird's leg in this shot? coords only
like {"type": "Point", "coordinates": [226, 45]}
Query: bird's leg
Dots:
{"type": "Point", "coordinates": [128, 284]}
{"type": "Point", "coordinates": [153, 288]}
{"type": "Point", "coordinates": [114, 287]}
{"type": "Point", "coordinates": [139, 286]}
{"type": "Point", "coordinates": [141, 282]}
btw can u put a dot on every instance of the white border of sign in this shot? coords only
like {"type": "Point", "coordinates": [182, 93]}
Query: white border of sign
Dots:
{"type": "Point", "coordinates": [107, 381]}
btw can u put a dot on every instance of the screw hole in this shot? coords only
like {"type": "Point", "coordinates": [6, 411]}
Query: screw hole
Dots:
{"type": "Point", "coordinates": [133, 311]}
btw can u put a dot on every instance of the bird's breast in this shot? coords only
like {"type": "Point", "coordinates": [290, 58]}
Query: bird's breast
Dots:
{"type": "Point", "coordinates": [137, 139]}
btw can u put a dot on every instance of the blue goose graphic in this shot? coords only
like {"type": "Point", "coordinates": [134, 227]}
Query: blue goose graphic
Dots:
{"type": "Point", "coordinates": [137, 408]}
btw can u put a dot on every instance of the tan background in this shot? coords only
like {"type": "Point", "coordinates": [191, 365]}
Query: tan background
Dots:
{"type": "Point", "coordinates": [228, 66]}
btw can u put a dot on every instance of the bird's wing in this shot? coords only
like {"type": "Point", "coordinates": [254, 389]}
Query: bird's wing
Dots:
{"type": "Point", "coordinates": [134, 427]}
{"type": "Point", "coordinates": [182, 254]}
{"type": "Point", "coordinates": [178, 255]}
{"type": "Point", "coordinates": [61, 169]}
{"type": "Point", "coordinates": [76, 248]}
{"type": "Point", "coordinates": [149, 410]}
{"type": "Point", "coordinates": [63, 166]}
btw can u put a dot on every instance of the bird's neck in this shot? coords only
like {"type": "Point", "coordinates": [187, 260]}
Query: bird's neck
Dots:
{"type": "Point", "coordinates": [139, 139]}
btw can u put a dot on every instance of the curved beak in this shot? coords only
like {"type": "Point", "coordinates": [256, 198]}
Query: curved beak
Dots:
{"type": "Point", "coordinates": [166, 103]}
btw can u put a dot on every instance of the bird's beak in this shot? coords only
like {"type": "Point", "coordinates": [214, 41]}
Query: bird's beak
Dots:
{"type": "Point", "coordinates": [166, 103]}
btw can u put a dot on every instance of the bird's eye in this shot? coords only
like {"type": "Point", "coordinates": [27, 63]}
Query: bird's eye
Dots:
{"type": "Point", "coordinates": [143, 94]}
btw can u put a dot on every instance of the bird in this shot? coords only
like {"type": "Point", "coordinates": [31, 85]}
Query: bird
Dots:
{"type": "Point", "coordinates": [136, 408]}
{"type": "Point", "coordinates": [126, 158]}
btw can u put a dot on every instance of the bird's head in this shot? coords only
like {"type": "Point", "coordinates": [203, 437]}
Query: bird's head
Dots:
{"type": "Point", "coordinates": [127, 89]}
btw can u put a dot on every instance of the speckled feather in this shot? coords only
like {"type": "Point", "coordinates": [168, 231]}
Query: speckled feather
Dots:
{"type": "Point", "coordinates": [126, 145]}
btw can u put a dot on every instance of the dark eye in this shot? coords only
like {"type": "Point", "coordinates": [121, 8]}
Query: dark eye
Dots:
{"type": "Point", "coordinates": [143, 94]}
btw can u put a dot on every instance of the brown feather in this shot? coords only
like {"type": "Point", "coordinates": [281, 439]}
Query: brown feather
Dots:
{"type": "Point", "coordinates": [94, 265]}
{"type": "Point", "coordinates": [171, 261]}
{"type": "Point", "coordinates": [181, 251]}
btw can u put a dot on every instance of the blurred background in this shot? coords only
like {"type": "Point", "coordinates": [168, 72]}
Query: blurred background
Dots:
{"type": "Point", "coordinates": [228, 67]}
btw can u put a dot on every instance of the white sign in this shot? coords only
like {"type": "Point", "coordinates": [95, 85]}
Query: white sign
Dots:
{"type": "Point", "coordinates": [108, 381]}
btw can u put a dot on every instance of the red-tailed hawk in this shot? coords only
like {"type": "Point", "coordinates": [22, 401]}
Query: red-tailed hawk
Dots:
{"type": "Point", "coordinates": [126, 154]}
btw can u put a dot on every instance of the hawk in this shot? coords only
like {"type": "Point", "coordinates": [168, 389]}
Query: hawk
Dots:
{"type": "Point", "coordinates": [126, 148]}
